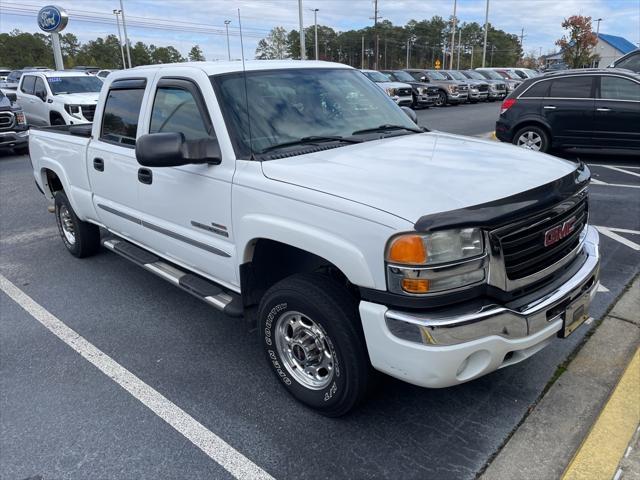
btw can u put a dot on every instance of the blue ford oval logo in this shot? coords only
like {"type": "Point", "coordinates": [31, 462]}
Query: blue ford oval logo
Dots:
{"type": "Point", "coordinates": [52, 18]}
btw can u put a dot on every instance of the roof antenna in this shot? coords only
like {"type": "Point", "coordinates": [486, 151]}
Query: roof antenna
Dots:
{"type": "Point", "coordinates": [246, 90]}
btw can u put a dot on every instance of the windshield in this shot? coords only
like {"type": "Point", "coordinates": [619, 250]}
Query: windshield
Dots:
{"type": "Point", "coordinates": [436, 76]}
{"type": "Point", "coordinates": [474, 75]}
{"type": "Point", "coordinates": [402, 76]}
{"type": "Point", "coordinates": [491, 74]}
{"type": "Point", "coordinates": [376, 77]}
{"type": "Point", "coordinates": [292, 104]}
{"type": "Point", "coordinates": [457, 75]}
{"type": "Point", "coordinates": [510, 75]}
{"type": "Point", "coordinates": [80, 84]}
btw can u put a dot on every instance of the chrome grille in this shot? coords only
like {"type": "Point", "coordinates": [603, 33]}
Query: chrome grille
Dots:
{"type": "Point", "coordinates": [523, 246]}
{"type": "Point", "coordinates": [88, 111]}
{"type": "Point", "coordinates": [403, 92]}
{"type": "Point", "coordinates": [483, 87]}
{"type": "Point", "coordinates": [501, 86]}
{"type": "Point", "coordinates": [6, 120]}
{"type": "Point", "coordinates": [463, 87]}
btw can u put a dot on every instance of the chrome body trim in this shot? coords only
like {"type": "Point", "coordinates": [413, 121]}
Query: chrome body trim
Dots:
{"type": "Point", "coordinates": [445, 328]}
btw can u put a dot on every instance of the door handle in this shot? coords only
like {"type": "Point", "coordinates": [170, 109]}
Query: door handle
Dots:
{"type": "Point", "coordinates": [98, 164]}
{"type": "Point", "coordinates": [549, 107]}
{"type": "Point", "coordinates": [145, 176]}
{"type": "Point", "coordinates": [603, 109]}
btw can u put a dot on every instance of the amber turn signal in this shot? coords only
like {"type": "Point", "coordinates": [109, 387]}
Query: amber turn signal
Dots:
{"type": "Point", "coordinates": [407, 250]}
{"type": "Point", "coordinates": [415, 285]}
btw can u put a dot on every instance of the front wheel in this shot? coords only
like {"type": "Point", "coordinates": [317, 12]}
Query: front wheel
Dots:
{"type": "Point", "coordinates": [532, 138]}
{"type": "Point", "coordinates": [310, 331]}
{"type": "Point", "coordinates": [441, 100]}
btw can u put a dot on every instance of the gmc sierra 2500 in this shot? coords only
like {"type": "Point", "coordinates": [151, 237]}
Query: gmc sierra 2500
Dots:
{"type": "Point", "coordinates": [299, 194]}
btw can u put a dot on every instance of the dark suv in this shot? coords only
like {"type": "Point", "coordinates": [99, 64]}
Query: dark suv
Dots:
{"type": "Point", "coordinates": [592, 108]}
{"type": "Point", "coordinates": [14, 132]}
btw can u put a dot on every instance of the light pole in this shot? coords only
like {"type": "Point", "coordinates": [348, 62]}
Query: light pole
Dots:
{"type": "Point", "coordinates": [126, 37]}
{"type": "Point", "coordinates": [597, 36]}
{"type": "Point", "coordinates": [303, 53]}
{"type": "Point", "coordinates": [459, 49]}
{"type": "Point", "coordinates": [453, 33]}
{"type": "Point", "coordinates": [226, 24]}
{"type": "Point", "coordinates": [486, 30]}
{"type": "Point", "coordinates": [315, 21]}
{"type": "Point", "coordinates": [117, 14]}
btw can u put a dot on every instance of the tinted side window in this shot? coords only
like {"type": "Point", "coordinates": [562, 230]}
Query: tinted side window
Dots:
{"type": "Point", "coordinates": [539, 89]}
{"type": "Point", "coordinates": [39, 86]}
{"type": "Point", "coordinates": [616, 88]}
{"type": "Point", "coordinates": [571, 87]}
{"type": "Point", "coordinates": [28, 84]}
{"type": "Point", "coordinates": [631, 63]}
{"type": "Point", "coordinates": [175, 110]}
{"type": "Point", "coordinates": [120, 118]}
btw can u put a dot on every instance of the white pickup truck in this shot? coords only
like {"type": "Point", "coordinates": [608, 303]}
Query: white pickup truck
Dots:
{"type": "Point", "coordinates": [300, 196]}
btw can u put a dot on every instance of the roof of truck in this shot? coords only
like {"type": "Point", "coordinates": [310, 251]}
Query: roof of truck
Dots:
{"type": "Point", "coordinates": [212, 68]}
{"type": "Point", "coordinates": [58, 73]}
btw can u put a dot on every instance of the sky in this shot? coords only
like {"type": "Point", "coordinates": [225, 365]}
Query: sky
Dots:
{"type": "Point", "coordinates": [183, 23]}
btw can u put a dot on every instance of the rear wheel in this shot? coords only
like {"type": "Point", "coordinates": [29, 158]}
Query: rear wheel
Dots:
{"type": "Point", "coordinates": [311, 335]}
{"type": "Point", "coordinates": [533, 138]}
{"type": "Point", "coordinates": [82, 239]}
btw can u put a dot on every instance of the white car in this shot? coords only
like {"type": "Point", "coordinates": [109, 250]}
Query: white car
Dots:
{"type": "Point", "coordinates": [323, 214]}
{"type": "Point", "coordinates": [398, 91]}
{"type": "Point", "coordinates": [58, 98]}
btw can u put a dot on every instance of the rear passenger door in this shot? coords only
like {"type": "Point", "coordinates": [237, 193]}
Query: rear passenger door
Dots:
{"type": "Point", "coordinates": [27, 99]}
{"type": "Point", "coordinates": [186, 210]}
{"type": "Point", "coordinates": [617, 117]}
{"type": "Point", "coordinates": [111, 157]}
{"type": "Point", "coordinates": [569, 110]}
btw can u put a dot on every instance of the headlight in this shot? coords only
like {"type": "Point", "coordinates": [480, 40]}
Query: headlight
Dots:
{"type": "Point", "coordinates": [20, 118]}
{"type": "Point", "coordinates": [392, 91]}
{"type": "Point", "coordinates": [74, 111]}
{"type": "Point", "coordinates": [452, 88]}
{"type": "Point", "coordinates": [434, 262]}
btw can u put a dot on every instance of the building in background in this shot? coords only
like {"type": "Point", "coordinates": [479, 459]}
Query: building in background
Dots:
{"type": "Point", "coordinates": [609, 48]}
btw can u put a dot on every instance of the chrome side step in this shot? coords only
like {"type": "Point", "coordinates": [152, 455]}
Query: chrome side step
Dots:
{"type": "Point", "coordinates": [224, 300]}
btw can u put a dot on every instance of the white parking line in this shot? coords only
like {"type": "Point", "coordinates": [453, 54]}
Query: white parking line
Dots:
{"type": "Point", "coordinates": [217, 449]}
{"type": "Point", "coordinates": [617, 166]}
{"type": "Point", "coordinates": [610, 232]}
{"type": "Point", "coordinates": [622, 170]}
{"type": "Point", "coordinates": [595, 181]}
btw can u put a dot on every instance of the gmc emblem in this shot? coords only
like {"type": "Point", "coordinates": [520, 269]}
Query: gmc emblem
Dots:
{"type": "Point", "coordinates": [559, 232]}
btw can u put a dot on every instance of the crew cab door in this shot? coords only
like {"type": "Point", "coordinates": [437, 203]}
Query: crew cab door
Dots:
{"type": "Point", "coordinates": [617, 117]}
{"type": "Point", "coordinates": [186, 210]}
{"type": "Point", "coordinates": [569, 109]}
{"type": "Point", "coordinates": [27, 99]}
{"type": "Point", "coordinates": [111, 157]}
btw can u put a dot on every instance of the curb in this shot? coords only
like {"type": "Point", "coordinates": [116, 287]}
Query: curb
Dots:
{"type": "Point", "coordinates": [545, 443]}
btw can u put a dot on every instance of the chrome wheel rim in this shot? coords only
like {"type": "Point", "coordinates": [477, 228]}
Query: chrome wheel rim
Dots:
{"type": "Point", "coordinates": [305, 350]}
{"type": "Point", "coordinates": [530, 140]}
{"type": "Point", "coordinates": [66, 223]}
{"type": "Point", "coordinates": [440, 100]}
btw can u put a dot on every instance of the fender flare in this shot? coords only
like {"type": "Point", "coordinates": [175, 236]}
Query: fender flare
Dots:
{"type": "Point", "coordinates": [340, 252]}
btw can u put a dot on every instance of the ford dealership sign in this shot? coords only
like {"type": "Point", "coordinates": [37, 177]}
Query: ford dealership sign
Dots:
{"type": "Point", "coordinates": [52, 19]}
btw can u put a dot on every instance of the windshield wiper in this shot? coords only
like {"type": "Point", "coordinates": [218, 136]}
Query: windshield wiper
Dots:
{"type": "Point", "coordinates": [310, 140]}
{"type": "Point", "coordinates": [386, 128]}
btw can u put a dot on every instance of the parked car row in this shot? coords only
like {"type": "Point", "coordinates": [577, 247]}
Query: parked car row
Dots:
{"type": "Point", "coordinates": [448, 87]}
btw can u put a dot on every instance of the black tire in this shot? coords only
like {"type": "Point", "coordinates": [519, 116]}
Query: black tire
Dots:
{"type": "Point", "coordinates": [441, 101]}
{"type": "Point", "coordinates": [56, 119]}
{"type": "Point", "coordinates": [21, 150]}
{"type": "Point", "coordinates": [86, 240]}
{"type": "Point", "coordinates": [323, 302]}
{"type": "Point", "coordinates": [536, 133]}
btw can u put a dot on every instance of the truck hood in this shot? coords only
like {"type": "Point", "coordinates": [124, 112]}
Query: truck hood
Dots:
{"type": "Point", "coordinates": [415, 175]}
{"type": "Point", "coordinates": [393, 85]}
{"type": "Point", "coordinates": [89, 98]}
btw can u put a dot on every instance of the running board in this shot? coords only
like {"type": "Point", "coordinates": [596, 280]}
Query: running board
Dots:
{"type": "Point", "coordinates": [224, 300]}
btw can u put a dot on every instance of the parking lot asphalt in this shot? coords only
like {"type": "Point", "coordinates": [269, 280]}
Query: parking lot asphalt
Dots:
{"type": "Point", "coordinates": [61, 417]}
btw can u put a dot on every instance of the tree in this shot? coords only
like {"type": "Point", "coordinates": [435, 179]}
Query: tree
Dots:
{"type": "Point", "coordinates": [196, 55]}
{"type": "Point", "coordinates": [577, 45]}
{"type": "Point", "coordinates": [165, 55]}
{"type": "Point", "coordinates": [140, 54]}
{"type": "Point", "coordinates": [274, 46]}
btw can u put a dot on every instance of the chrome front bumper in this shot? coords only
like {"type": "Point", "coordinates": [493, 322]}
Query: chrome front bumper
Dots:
{"type": "Point", "coordinates": [452, 328]}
